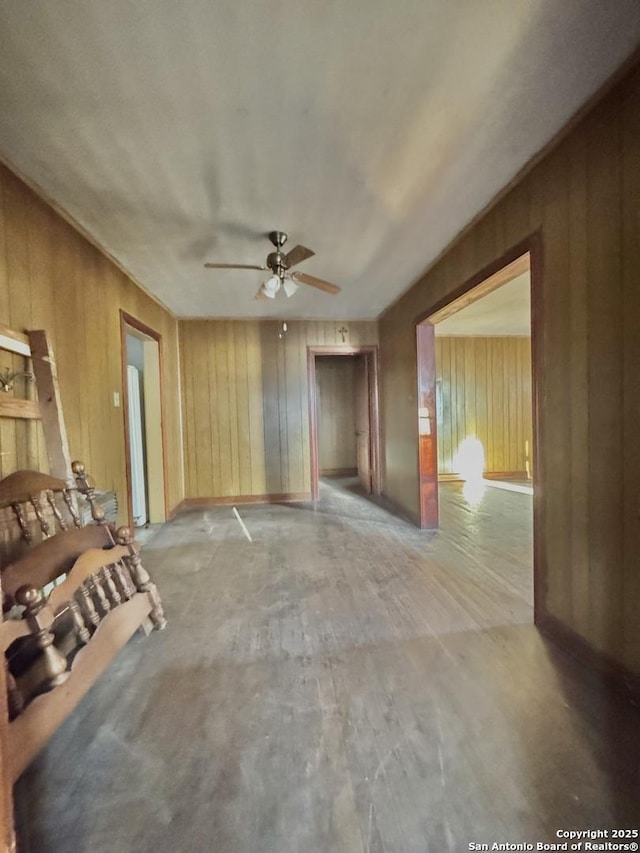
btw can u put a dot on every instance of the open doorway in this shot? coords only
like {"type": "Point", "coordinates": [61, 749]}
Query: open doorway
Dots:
{"type": "Point", "coordinates": [478, 391]}
{"type": "Point", "coordinates": [477, 372]}
{"type": "Point", "coordinates": [343, 415]}
{"type": "Point", "coordinates": [142, 386]}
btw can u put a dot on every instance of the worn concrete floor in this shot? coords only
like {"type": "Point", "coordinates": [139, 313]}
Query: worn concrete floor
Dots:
{"type": "Point", "coordinates": [345, 684]}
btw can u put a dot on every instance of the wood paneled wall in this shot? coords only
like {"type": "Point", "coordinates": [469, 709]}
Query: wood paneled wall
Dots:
{"type": "Point", "coordinates": [583, 198]}
{"type": "Point", "coordinates": [335, 378]}
{"type": "Point", "coordinates": [52, 278]}
{"type": "Point", "coordinates": [245, 397]}
{"type": "Point", "coordinates": [485, 392]}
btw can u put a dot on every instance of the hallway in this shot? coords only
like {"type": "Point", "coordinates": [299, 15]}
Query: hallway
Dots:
{"type": "Point", "coordinates": [345, 684]}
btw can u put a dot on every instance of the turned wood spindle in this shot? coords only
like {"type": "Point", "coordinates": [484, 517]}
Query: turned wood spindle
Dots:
{"type": "Point", "coordinates": [39, 621]}
{"type": "Point", "coordinates": [18, 509]}
{"type": "Point", "coordinates": [142, 579]}
{"type": "Point", "coordinates": [84, 487]}
{"type": "Point", "coordinates": [55, 509]}
{"type": "Point", "coordinates": [82, 632]}
{"type": "Point", "coordinates": [112, 589]}
{"type": "Point", "coordinates": [95, 584]}
{"type": "Point", "coordinates": [88, 605]}
{"type": "Point", "coordinates": [45, 527]}
{"type": "Point", "coordinates": [124, 579]}
{"type": "Point", "coordinates": [67, 497]}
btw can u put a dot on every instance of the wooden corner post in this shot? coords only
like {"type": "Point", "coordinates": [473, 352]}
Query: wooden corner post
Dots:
{"type": "Point", "coordinates": [50, 402]}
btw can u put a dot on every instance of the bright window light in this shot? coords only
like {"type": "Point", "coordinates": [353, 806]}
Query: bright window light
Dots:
{"type": "Point", "coordinates": [469, 459]}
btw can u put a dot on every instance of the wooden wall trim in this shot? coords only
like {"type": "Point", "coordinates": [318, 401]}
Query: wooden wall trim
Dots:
{"type": "Point", "coordinates": [341, 349]}
{"type": "Point", "coordinates": [12, 341]}
{"type": "Point", "coordinates": [14, 407]}
{"type": "Point", "coordinates": [491, 271]}
{"type": "Point", "coordinates": [312, 392]}
{"type": "Point", "coordinates": [127, 319]}
{"type": "Point", "coordinates": [427, 419]}
{"type": "Point", "coordinates": [615, 676]}
{"type": "Point", "coordinates": [501, 277]}
{"type": "Point", "coordinates": [536, 260]}
{"type": "Point", "coordinates": [176, 510]}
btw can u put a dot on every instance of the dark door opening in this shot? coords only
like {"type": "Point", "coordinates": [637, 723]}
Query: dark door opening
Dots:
{"type": "Point", "coordinates": [343, 414]}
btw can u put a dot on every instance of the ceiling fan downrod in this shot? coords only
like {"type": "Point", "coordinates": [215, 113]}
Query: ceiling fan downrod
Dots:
{"type": "Point", "coordinates": [277, 261]}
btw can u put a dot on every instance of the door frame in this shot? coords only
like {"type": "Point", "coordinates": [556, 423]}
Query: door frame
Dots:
{"type": "Point", "coordinates": [128, 320]}
{"type": "Point", "coordinates": [371, 353]}
{"type": "Point", "coordinates": [425, 366]}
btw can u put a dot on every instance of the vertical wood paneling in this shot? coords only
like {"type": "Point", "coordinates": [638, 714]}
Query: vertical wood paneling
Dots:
{"type": "Point", "coordinates": [296, 370]}
{"type": "Point", "coordinates": [554, 195]}
{"type": "Point", "coordinates": [579, 381]}
{"type": "Point", "coordinates": [630, 212]}
{"type": "Point", "coordinates": [604, 300]}
{"type": "Point", "coordinates": [470, 385]}
{"type": "Point", "coordinates": [51, 278]}
{"type": "Point", "coordinates": [256, 448]}
{"type": "Point", "coordinates": [582, 200]}
{"type": "Point", "coordinates": [257, 395]}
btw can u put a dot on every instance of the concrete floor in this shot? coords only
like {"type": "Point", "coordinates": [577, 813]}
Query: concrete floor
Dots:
{"type": "Point", "coordinates": [345, 684]}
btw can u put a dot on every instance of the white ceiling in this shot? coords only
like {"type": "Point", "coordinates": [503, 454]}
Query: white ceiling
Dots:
{"type": "Point", "coordinates": [505, 311]}
{"type": "Point", "coordinates": [371, 131]}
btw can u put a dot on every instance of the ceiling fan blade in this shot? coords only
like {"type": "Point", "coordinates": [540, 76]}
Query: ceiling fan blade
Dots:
{"type": "Point", "coordinates": [298, 254]}
{"type": "Point", "coordinates": [233, 267]}
{"type": "Point", "coordinates": [260, 294]}
{"type": "Point", "coordinates": [316, 282]}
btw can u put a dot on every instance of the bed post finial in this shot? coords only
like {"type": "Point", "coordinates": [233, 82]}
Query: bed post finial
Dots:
{"type": "Point", "coordinates": [84, 487]}
{"type": "Point", "coordinates": [141, 578]}
{"type": "Point", "coordinates": [40, 621]}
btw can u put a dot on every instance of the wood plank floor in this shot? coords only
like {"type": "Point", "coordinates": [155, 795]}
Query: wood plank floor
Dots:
{"type": "Point", "coordinates": [345, 684]}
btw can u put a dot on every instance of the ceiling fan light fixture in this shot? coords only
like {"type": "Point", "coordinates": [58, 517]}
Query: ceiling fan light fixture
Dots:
{"type": "Point", "coordinates": [290, 286]}
{"type": "Point", "coordinates": [271, 287]}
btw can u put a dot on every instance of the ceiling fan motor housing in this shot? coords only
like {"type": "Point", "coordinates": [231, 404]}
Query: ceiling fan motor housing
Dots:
{"type": "Point", "coordinates": [277, 262]}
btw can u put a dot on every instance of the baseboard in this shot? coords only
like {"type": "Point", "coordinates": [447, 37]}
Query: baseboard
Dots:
{"type": "Point", "coordinates": [615, 676]}
{"type": "Point", "coordinates": [338, 472]}
{"type": "Point", "coordinates": [488, 475]}
{"type": "Point", "coordinates": [398, 509]}
{"type": "Point", "coordinates": [202, 503]}
{"type": "Point", "coordinates": [506, 475]}
{"type": "Point", "coordinates": [178, 508]}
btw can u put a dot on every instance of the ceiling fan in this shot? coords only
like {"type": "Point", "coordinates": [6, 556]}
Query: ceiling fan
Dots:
{"type": "Point", "coordinates": [280, 265]}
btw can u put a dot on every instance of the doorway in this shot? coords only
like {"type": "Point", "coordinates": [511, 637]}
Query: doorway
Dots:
{"type": "Point", "coordinates": [478, 386]}
{"type": "Point", "coordinates": [142, 405]}
{"type": "Point", "coordinates": [490, 427]}
{"type": "Point", "coordinates": [343, 415]}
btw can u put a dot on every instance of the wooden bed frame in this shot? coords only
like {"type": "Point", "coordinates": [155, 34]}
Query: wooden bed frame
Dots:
{"type": "Point", "coordinates": [105, 595]}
